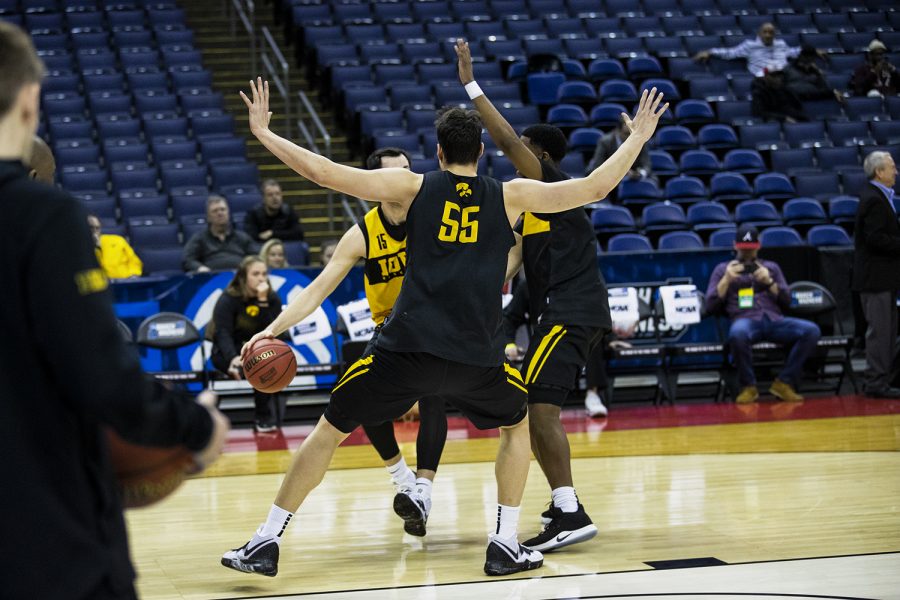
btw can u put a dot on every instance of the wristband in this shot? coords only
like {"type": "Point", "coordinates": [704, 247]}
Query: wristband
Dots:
{"type": "Point", "coordinates": [473, 90]}
{"type": "Point", "coordinates": [512, 346]}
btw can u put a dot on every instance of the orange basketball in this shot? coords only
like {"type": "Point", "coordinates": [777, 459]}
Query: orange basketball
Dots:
{"type": "Point", "coordinates": [271, 366]}
{"type": "Point", "coordinates": [146, 474]}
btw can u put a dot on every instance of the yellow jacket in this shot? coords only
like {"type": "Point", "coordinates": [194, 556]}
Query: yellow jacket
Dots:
{"type": "Point", "coordinates": [117, 259]}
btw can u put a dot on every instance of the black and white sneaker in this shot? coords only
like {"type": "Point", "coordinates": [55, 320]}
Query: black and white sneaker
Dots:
{"type": "Point", "coordinates": [500, 559]}
{"type": "Point", "coordinates": [564, 529]}
{"type": "Point", "coordinates": [260, 557]}
{"type": "Point", "coordinates": [549, 514]}
{"type": "Point", "coordinates": [413, 509]}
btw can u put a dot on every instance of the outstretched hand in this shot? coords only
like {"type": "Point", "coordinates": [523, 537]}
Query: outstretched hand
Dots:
{"type": "Point", "coordinates": [259, 107]}
{"type": "Point", "coordinates": [245, 349]}
{"type": "Point", "coordinates": [464, 59]}
{"type": "Point", "coordinates": [647, 117]}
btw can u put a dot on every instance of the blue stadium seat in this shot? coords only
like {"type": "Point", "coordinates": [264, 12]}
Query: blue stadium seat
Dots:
{"type": "Point", "coordinates": [589, 48]}
{"type": "Point", "coordinates": [662, 163]}
{"type": "Point", "coordinates": [567, 115]}
{"type": "Point", "coordinates": [173, 148]}
{"type": "Point", "coordinates": [231, 174]}
{"type": "Point", "coordinates": [404, 95]}
{"type": "Point", "coordinates": [83, 178]}
{"type": "Point", "coordinates": [823, 110]}
{"type": "Point", "coordinates": [84, 154]}
{"type": "Point", "coordinates": [618, 90]}
{"type": "Point", "coordinates": [679, 240]}
{"type": "Point", "coordinates": [838, 159]}
{"type": "Point", "coordinates": [423, 165]}
{"type": "Point", "coordinates": [743, 161]}
{"type": "Point", "coordinates": [454, 95]}
{"type": "Point", "coordinates": [242, 198]}
{"type": "Point", "coordinates": [607, 114]}
{"type": "Point", "coordinates": [543, 88]}
{"type": "Point", "coordinates": [584, 139]}
{"type": "Point", "coordinates": [717, 136]}
{"type": "Point", "coordinates": [722, 238]}
{"type": "Point", "coordinates": [629, 242]}
{"type": "Point", "coordinates": [638, 191]}
{"type": "Point", "coordinates": [663, 216]}
{"type": "Point", "coordinates": [735, 112]}
{"type": "Point", "coordinates": [705, 216]}
{"type": "Point", "coordinates": [162, 261]}
{"type": "Point", "coordinates": [153, 236]}
{"type": "Point", "coordinates": [662, 85]}
{"type": "Point", "coordinates": [576, 92]}
{"type": "Point", "coordinates": [573, 164]}
{"type": "Point", "coordinates": [685, 189]}
{"type": "Point", "coordinates": [537, 46]}
{"type": "Point", "coordinates": [355, 97]}
{"type": "Point", "coordinates": [615, 219]}
{"type": "Point", "coordinates": [689, 112]}
{"type": "Point", "coordinates": [155, 101]}
{"type": "Point", "coordinates": [828, 235]}
{"type": "Point", "coordinates": [297, 253]}
{"type": "Point", "coordinates": [699, 162]}
{"type": "Point", "coordinates": [666, 47]}
{"type": "Point", "coordinates": [223, 150]}
{"type": "Point", "coordinates": [180, 174]}
{"type": "Point", "coordinates": [803, 213]}
{"type": "Point", "coordinates": [730, 187]}
{"type": "Point", "coordinates": [212, 125]}
{"type": "Point", "coordinates": [184, 205]}
{"type": "Point", "coordinates": [675, 137]}
{"type": "Point", "coordinates": [773, 186]}
{"type": "Point", "coordinates": [385, 74]}
{"type": "Point", "coordinates": [557, 27]}
{"type": "Point", "coordinates": [623, 47]}
{"type": "Point", "coordinates": [761, 136]}
{"type": "Point", "coordinates": [791, 161]}
{"type": "Point", "coordinates": [404, 141]}
{"type": "Point", "coordinates": [817, 185]}
{"type": "Point", "coordinates": [144, 206]}
{"type": "Point", "coordinates": [502, 168]}
{"type": "Point", "coordinates": [125, 150]}
{"type": "Point", "coordinates": [200, 99]}
{"type": "Point", "coordinates": [759, 213]}
{"type": "Point", "coordinates": [865, 109]}
{"type": "Point", "coordinates": [853, 181]}
{"type": "Point", "coordinates": [63, 103]}
{"type": "Point", "coordinates": [780, 237]}
{"type": "Point", "coordinates": [842, 211]}
{"type": "Point", "coordinates": [521, 116]}
{"type": "Point", "coordinates": [641, 67]}
{"type": "Point", "coordinates": [133, 176]}
{"type": "Point", "coordinates": [804, 135]}
{"type": "Point", "coordinates": [886, 132]}
{"type": "Point", "coordinates": [166, 124]}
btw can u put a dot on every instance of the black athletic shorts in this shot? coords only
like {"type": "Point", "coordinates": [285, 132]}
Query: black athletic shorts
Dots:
{"type": "Point", "coordinates": [382, 386]}
{"type": "Point", "coordinates": [555, 358]}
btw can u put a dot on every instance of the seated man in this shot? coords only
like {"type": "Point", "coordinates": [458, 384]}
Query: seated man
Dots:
{"type": "Point", "coordinates": [609, 143]}
{"type": "Point", "coordinates": [753, 293]}
{"type": "Point", "coordinates": [875, 77]}
{"type": "Point", "coordinates": [115, 255]}
{"type": "Point", "coordinates": [771, 100]}
{"type": "Point", "coordinates": [273, 218]}
{"type": "Point", "coordinates": [765, 53]}
{"type": "Point", "coordinates": [219, 247]}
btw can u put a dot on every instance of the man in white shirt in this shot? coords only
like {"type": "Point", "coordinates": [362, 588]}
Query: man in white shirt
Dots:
{"type": "Point", "coordinates": [765, 53]}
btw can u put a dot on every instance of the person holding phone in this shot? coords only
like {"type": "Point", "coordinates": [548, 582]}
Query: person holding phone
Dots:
{"type": "Point", "coordinates": [754, 295]}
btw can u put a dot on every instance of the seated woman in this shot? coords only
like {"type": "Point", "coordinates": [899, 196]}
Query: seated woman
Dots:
{"type": "Point", "coordinates": [247, 305]}
{"type": "Point", "coordinates": [272, 253]}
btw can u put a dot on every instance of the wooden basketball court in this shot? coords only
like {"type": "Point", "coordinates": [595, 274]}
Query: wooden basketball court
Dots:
{"type": "Point", "coordinates": [763, 500]}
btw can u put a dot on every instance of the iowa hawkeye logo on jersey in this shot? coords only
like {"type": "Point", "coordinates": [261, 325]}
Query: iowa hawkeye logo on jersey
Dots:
{"type": "Point", "coordinates": [463, 190]}
{"type": "Point", "coordinates": [382, 269]}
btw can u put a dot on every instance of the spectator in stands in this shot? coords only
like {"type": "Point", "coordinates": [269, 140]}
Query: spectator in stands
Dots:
{"type": "Point", "coordinates": [114, 253]}
{"type": "Point", "coordinates": [42, 164]}
{"type": "Point", "coordinates": [328, 248]}
{"type": "Point", "coordinates": [610, 142]}
{"type": "Point", "coordinates": [272, 253]}
{"type": "Point", "coordinates": [219, 246]}
{"type": "Point", "coordinates": [805, 79]}
{"type": "Point", "coordinates": [273, 218]}
{"type": "Point", "coordinates": [876, 76]}
{"type": "Point", "coordinates": [876, 270]}
{"type": "Point", "coordinates": [753, 294]}
{"type": "Point", "coordinates": [763, 53]}
{"type": "Point", "coordinates": [773, 101]}
{"type": "Point", "coordinates": [248, 304]}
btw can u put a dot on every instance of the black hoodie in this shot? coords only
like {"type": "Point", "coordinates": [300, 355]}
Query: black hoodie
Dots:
{"type": "Point", "coordinates": [65, 375]}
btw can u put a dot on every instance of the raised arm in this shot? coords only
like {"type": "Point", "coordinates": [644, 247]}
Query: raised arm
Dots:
{"type": "Point", "coordinates": [499, 129]}
{"type": "Point", "coordinates": [523, 195]}
{"type": "Point", "coordinates": [398, 186]}
{"type": "Point", "coordinates": [349, 250]}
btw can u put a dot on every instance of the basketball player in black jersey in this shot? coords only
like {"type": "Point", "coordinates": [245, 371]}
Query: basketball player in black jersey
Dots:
{"type": "Point", "coordinates": [568, 311]}
{"type": "Point", "coordinates": [443, 336]}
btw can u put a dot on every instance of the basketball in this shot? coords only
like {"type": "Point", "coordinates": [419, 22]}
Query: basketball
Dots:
{"type": "Point", "coordinates": [147, 475]}
{"type": "Point", "coordinates": [271, 366]}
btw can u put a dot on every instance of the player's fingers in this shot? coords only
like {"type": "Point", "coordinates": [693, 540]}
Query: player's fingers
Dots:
{"type": "Point", "coordinates": [627, 120]}
{"type": "Point", "coordinates": [656, 102]}
{"type": "Point", "coordinates": [643, 101]}
{"type": "Point", "coordinates": [266, 92]}
{"type": "Point", "coordinates": [246, 99]}
{"type": "Point", "coordinates": [253, 92]}
{"type": "Point", "coordinates": [649, 102]}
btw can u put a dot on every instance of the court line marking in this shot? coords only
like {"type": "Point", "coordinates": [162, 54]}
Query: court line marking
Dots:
{"type": "Point", "coordinates": [573, 575]}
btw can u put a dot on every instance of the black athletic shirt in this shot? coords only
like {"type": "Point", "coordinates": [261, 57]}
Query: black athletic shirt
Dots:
{"type": "Point", "coordinates": [458, 239]}
{"type": "Point", "coordinates": [559, 250]}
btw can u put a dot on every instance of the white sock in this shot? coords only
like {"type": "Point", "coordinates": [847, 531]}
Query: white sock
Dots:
{"type": "Point", "coordinates": [401, 473]}
{"type": "Point", "coordinates": [507, 524]}
{"type": "Point", "coordinates": [564, 498]}
{"type": "Point", "coordinates": [423, 487]}
{"type": "Point", "coordinates": [276, 523]}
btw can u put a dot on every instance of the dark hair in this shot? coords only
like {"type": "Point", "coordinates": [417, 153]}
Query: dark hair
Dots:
{"type": "Point", "coordinates": [237, 287]}
{"type": "Point", "coordinates": [270, 183]}
{"type": "Point", "coordinates": [19, 64]}
{"type": "Point", "coordinates": [374, 160]}
{"type": "Point", "coordinates": [548, 138]}
{"type": "Point", "coordinates": [459, 134]}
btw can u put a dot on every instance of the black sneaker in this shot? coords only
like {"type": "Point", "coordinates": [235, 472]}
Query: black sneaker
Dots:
{"type": "Point", "coordinates": [564, 529]}
{"type": "Point", "coordinates": [265, 426]}
{"type": "Point", "coordinates": [413, 509]}
{"type": "Point", "coordinates": [503, 560]}
{"type": "Point", "coordinates": [549, 514]}
{"type": "Point", "coordinates": [261, 558]}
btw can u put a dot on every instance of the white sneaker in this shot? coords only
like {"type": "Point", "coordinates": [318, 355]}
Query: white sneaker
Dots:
{"type": "Point", "coordinates": [413, 508]}
{"type": "Point", "coordinates": [501, 559]}
{"type": "Point", "coordinates": [259, 555]}
{"type": "Point", "coordinates": [594, 405]}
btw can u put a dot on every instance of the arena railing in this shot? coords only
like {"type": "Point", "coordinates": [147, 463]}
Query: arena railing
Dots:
{"type": "Point", "coordinates": [245, 11]}
{"type": "Point", "coordinates": [311, 128]}
{"type": "Point", "coordinates": [277, 71]}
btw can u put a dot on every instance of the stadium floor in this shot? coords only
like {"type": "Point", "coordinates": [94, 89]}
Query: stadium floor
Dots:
{"type": "Point", "coordinates": [703, 500]}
